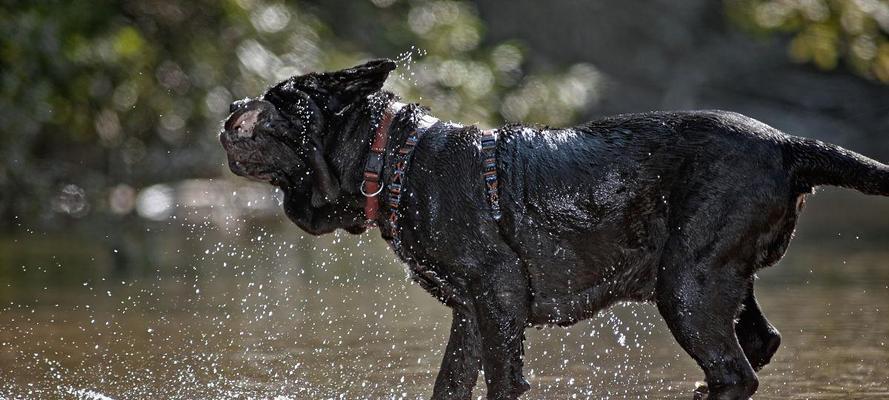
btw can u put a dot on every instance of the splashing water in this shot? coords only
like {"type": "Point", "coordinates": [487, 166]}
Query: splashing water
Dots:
{"type": "Point", "coordinates": [228, 305]}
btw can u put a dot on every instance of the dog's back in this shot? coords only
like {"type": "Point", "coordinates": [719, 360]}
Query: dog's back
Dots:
{"type": "Point", "coordinates": [592, 207]}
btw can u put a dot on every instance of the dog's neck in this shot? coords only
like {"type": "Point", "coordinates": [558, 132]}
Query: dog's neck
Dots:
{"type": "Point", "coordinates": [373, 183]}
{"type": "Point", "coordinates": [358, 131]}
{"type": "Point", "coordinates": [347, 145]}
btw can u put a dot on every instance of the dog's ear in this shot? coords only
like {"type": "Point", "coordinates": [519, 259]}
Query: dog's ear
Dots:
{"type": "Point", "coordinates": [333, 91]}
{"type": "Point", "coordinates": [325, 185]}
{"type": "Point", "coordinates": [302, 98]}
{"type": "Point", "coordinates": [347, 86]}
{"type": "Point", "coordinates": [305, 114]}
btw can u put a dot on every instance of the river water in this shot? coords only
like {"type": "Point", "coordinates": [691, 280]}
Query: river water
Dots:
{"type": "Point", "coordinates": [271, 314]}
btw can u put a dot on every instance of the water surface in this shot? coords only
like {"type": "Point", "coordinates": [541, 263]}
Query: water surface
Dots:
{"type": "Point", "coordinates": [241, 313]}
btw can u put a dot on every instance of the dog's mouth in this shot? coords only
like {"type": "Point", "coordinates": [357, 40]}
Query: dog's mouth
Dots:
{"type": "Point", "coordinates": [245, 161]}
{"type": "Point", "coordinates": [255, 171]}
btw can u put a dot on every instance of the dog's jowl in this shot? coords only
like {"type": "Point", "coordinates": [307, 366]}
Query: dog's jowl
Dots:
{"type": "Point", "coordinates": [523, 226]}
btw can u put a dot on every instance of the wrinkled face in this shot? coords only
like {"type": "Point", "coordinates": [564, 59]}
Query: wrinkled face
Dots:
{"type": "Point", "coordinates": [279, 136]}
{"type": "Point", "coordinates": [262, 144]}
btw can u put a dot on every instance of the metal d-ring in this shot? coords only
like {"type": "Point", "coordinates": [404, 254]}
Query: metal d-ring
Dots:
{"type": "Point", "coordinates": [361, 189]}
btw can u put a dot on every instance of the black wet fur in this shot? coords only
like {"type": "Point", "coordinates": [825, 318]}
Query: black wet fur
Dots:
{"type": "Point", "coordinates": [675, 208]}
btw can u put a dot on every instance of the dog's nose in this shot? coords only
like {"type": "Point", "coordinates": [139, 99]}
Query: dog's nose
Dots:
{"type": "Point", "coordinates": [245, 116]}
{"type": "Point", "coordinates": [243, 123]}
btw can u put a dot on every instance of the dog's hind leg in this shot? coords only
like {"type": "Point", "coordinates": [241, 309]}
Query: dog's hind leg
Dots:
{"type": "Point", "coordinates": [460, 365]}
{"type": "Point", "coordinates": [758, 338]}
{"type": "Point", "coordinates": [699, 292]}
{"type": "Point", "coordinates": [501, 302]}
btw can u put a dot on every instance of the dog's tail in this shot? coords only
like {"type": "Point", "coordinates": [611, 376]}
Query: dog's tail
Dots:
{"type": "Point", "coordinates": [814, 163]}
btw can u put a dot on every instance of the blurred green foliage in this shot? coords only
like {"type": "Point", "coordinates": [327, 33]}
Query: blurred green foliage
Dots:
{"type": "Point", "coordinates": [825, 32]}
{"type": "Point", "coordinates": [449, 67]}
{"type": "Point", "coordinates": [102, 98]}
{"type": "Point", "coordinates": [99, 100]}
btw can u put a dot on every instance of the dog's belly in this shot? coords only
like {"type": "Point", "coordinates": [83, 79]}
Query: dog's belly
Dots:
{"type": "Point", "coordinates": [579, 279]}
{"type": "Point", "coordinates": [578, 267]}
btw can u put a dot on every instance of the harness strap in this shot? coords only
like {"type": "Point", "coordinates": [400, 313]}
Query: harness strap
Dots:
{"type": "Point", "coordinates": [489, 152]}
{"type": "Point", "coordinates": [399, 168]}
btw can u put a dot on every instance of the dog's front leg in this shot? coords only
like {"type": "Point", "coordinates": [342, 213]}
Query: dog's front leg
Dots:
{"type": "Point", "coordinates": [460, 365]}
{"type": "Point", "coordinates": [501, 303]}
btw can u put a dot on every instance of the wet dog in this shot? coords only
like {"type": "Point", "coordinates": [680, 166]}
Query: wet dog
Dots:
{"type": "Point", "coordinates": [679, 209]}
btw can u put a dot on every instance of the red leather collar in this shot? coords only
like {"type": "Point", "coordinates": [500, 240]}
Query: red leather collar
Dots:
{"type": "Point", "coordinates": [371, 187]}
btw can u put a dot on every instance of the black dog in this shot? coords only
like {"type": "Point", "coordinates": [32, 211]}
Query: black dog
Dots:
{"type": "Point", "coordinates": [675, 208]}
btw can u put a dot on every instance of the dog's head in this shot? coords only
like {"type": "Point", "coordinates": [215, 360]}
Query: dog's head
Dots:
{"type": "Point", "coordinates": [279, 137]}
